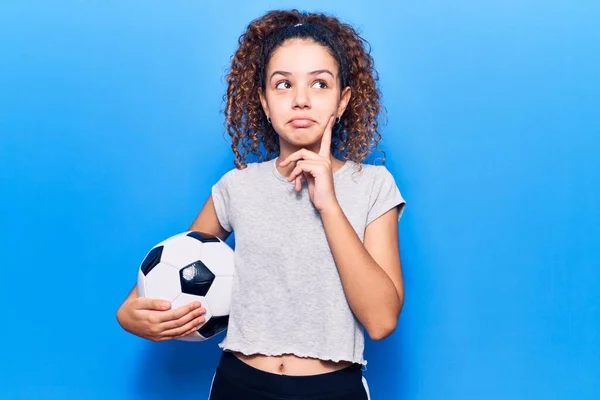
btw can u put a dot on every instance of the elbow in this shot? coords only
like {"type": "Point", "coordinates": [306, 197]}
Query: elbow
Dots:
{"type": "Point", "coordinates": [119, 317]}
{"type": "Point", "coordinates": [383, 330]}
{"type": "Point", "coordinates": [385, 326]}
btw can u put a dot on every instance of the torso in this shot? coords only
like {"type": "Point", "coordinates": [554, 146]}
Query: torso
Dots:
{"type": "Point", "coordinates": [290, 364]}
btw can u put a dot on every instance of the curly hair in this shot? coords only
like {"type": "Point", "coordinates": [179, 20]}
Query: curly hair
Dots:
{"type": "Point", "coordinates": [357, 133]}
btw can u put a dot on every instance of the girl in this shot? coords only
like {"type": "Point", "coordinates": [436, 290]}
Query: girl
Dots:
{"type": "Point", "coordinates": [317, 257]}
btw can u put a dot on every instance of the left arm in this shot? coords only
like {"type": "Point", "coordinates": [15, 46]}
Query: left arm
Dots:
{"type": "Point", "coordinates": [370, 272]}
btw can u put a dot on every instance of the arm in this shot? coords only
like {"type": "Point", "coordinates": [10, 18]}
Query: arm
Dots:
{"type": "Point", "coordinates": [370, 272]}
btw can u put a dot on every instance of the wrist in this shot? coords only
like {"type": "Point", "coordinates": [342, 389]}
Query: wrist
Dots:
{"type": "Point", "coordinates": [331, 210]}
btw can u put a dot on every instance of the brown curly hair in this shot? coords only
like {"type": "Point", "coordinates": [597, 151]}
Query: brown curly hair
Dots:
{"type": "Point", "coordinates": [246, 122]}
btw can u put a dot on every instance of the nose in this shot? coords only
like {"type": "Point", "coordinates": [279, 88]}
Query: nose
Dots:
{"type": "Point", "coordinates": [301, 98]}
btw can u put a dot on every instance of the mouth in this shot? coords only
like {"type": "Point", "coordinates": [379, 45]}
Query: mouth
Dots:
{"type": "Point", "coordinates": [301, 122]}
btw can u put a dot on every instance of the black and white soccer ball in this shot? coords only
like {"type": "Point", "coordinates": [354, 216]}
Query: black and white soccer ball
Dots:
{"type": "Point", "coordinates": [191, 266]}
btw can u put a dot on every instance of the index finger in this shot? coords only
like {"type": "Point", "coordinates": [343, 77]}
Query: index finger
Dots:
{"type": "Point", "coordinates": [325, 149]}
{"type": "Point", "coordinates": [152, 304]}
{"type": "Point", "coordinates": [179, 312]}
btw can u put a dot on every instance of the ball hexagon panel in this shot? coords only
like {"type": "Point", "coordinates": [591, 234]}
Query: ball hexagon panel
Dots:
{"type": "Point", "coordinates": [181, 250]}
{"type": "Point", "coordinates": [184, 299]}
{"type": "Point", "coordinates": [218, 258]}
{"type": "Point", "coordinates": [218, 297]}
{"type": "Point", "coordinates": [163, 282]}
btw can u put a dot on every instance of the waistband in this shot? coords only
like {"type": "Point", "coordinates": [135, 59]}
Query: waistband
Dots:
{"type": "Point", "coordinates": [340, 381]}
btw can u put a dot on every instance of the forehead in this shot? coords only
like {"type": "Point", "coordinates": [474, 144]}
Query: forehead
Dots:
{"type": "Point", "coordinates": [301, 55]}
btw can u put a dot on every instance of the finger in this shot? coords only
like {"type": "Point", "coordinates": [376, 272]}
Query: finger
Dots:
{"type": "Point", "coordinates": [190, 328]}
{"type": "Point", "coordinates": [186, 333]}
{"type": "Point", "coordinates": [296, 174]}
{"type": "Point", "coordinates": [298, 183]}
{"type": "Point", "coordinates": [176, 323]}
{"type": "Point", "coordinates": [183, 330]}
{"type": "Point", "coordinates": [325, 149]}
{"type": "Point", "coordinates": [153, 304]}
{"type": "Point", "coordinates": [302, 168]}
{"type": "Point", "coordinates": [302, 154]}
{"type": "Point", "coordinates": [304, 176]}
{"type": "Point", "coordinates": [179, 312]}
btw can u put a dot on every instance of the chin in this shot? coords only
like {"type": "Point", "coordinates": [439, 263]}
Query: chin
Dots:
{"type": "Point", "coordinates": [302, 138]}
{"type": "Point", "coordinates": [303, 143]}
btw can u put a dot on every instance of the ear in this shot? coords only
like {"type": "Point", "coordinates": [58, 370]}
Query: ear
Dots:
{"type": "Point", "coordinates": [263, 102]}
{"type": "Point", "coordinates": [344, 100]}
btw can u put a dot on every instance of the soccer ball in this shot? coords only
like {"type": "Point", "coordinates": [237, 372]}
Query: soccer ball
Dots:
{"type": "Point", "coordinates": [191, 266]}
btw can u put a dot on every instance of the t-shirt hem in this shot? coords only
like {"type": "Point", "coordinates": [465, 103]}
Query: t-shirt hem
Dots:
{"type": "Point", "coordinates": [303, 354]}
{"type": "Point", "coordinates": [397, 202]}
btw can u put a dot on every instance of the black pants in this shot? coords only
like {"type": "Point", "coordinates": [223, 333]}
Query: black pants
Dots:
{"type": "Point", "coordinates": [236, 380]}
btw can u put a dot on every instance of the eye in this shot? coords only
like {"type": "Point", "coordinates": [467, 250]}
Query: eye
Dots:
{"type": "Point", "coordinates": [321, 84]}
{"type": "Point", "coordinates": [286, 85]}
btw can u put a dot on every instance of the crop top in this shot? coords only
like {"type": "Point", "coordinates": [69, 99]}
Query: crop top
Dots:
{"type": "Point", "coordinates": [287, 295]}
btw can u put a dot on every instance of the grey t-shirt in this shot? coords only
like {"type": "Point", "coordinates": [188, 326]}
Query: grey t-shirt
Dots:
{"type": "Point", "coordinates": [287, 295]}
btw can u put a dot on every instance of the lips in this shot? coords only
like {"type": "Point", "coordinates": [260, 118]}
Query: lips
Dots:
{"type": "Point", "coordinates": [302, 122]}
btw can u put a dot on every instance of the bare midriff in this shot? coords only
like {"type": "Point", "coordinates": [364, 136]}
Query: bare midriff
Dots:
{"type": "Point", "coordinates": [289, 364]}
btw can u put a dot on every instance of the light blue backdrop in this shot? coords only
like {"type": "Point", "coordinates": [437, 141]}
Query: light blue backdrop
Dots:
{"type": "Point", "coordinates": [111, 135]}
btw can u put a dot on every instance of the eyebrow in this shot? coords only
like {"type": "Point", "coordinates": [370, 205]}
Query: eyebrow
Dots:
{"type": "Point", "coordinates": [317, 72]}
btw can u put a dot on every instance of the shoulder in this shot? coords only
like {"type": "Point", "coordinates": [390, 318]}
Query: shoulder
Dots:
{"type": "Point", "coordinates": [372, 173]}
{"type": "Point", "coordinates": [245, 174]}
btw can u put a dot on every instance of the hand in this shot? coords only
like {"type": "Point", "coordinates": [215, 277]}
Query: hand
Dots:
{"type": "Point", "coordinates": [153, 319]}
{"type": "Point", "coordinates": [316, 170]}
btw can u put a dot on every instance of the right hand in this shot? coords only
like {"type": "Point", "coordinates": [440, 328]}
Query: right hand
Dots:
{"type": "Point", "coordinates": [154, 319]}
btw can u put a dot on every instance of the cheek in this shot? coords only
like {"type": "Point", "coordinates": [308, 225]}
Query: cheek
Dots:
{"type": "Point", "coordinates": [278, 106]}
{"type": "Point", "coordinates": [327, 101]}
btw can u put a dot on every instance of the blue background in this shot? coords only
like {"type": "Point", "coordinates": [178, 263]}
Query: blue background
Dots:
{"type": "Point", "coordinates": [111, 134]}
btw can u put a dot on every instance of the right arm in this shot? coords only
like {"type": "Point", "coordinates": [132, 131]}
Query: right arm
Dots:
{"type": "Point", "coordinates": [153, 319]}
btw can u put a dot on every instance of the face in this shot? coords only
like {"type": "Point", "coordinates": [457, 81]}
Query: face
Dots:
{"type": "Point", "coordinates": [302, 92]}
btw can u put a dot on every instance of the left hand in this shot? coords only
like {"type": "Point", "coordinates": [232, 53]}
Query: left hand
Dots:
{"type": "Point", "coordinates": [316, 169]}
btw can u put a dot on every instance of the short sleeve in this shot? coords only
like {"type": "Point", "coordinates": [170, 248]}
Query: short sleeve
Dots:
{"type": "Point", "coordinates": [221, 196]}
{"type": "Point", "coordinates": [385, 195]}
